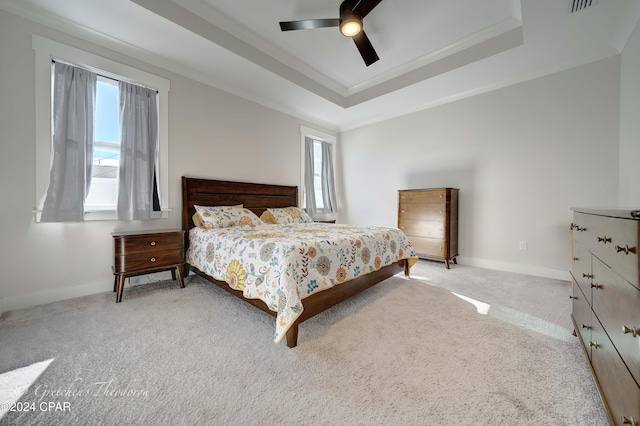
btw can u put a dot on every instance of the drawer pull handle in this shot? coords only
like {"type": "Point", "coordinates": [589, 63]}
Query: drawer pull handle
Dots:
{"type": "Point", "coordinates": [153, 259]}
{"type": "Point", "coordinates": [153, 243]}
{"type": "Point", "coordinates": [634, 331]}
{"type": "Point", "coordinates": [604, 239]}
{"type": "Point", "coordinates": [573, 226]}
{"type": "Point", "coordinates": [628, 421]}
{"type": "Point", "coordinates": [575, 259]}
{"type": "Point", "coordinates": [596, 286]}
{"type": "Point", "coordinates": [594, 345]}
{"type": "Point", "coordinates": [579, 229]}
{"type": "Point", "coordinates": [587, 275]}
{"type": "Point", "coordinates": [586, 327]}
{"type": "Point", "coordinates": [626, 249]}
{"type": "Point", "coordinates": [573, 297]}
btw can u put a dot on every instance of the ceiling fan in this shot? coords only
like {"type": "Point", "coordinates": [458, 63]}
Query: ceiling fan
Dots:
{"type": "Point", "coordinates": [352, 12]}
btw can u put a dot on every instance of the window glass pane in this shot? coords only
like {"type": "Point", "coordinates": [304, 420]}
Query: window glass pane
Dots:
{"type": "Point", "coordinates": [103, 193]}
{"type": "Point", "coordinates": [107, 128]}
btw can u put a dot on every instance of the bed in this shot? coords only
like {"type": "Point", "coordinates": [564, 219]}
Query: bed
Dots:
{"type": "Point", "coordinates": [291, 304]}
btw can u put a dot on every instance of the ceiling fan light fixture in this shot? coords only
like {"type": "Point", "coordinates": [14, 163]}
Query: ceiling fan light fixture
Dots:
{"type": "Point", "coordinates": [350, 24]}
{"type": "Point", "coordinates": [352, 13]}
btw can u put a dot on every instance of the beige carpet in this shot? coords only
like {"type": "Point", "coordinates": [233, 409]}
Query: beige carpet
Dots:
{"type": "Point", "coordinates": [463, 346]}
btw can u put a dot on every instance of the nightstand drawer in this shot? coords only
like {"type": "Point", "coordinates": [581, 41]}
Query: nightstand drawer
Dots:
{"type": "Point", "coordinates": [145, 243]}
{"type": "Point", "coordinates": [143, 261]}
{"type": "Point", "coordinates": [138, 254]}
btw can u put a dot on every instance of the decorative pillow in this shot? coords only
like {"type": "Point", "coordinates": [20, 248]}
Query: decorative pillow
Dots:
{"type": "Point", "coordinates": [227, 216]}
{"type": "Point", "coordinates": [286, 215]}
{"type": "Point", "coordinates": [197, 219]}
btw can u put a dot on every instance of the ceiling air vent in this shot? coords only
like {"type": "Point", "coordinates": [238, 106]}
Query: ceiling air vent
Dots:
{"type": "Point", "coordinates": [578, 5]}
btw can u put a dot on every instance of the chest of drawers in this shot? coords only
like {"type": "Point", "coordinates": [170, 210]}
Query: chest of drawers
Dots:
{"type": "Point", "coordinates": [606, 305]}
{"type": "Point", "coordinates": [429, 218]}
{"type": "Point", "coordinates": [143, 253]}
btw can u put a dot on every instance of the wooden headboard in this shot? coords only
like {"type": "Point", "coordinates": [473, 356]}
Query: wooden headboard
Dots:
{"type": "Point", "coordinates": [256, 197]}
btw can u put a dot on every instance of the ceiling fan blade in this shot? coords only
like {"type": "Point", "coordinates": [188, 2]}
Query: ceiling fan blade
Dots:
{"type": "Point", "coordinates": [365, 47]}
{"type": "Point", "coordinates": [309, 24]}
{"type": "Point", "coordinates": [363, 8]}
{"type": "Point", "coordinates": [348, 5]}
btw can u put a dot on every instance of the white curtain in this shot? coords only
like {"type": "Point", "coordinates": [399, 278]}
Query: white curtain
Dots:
{"type": "Point", "coordinates": [309, 187]}
{"type": "Point", "coordinates": [74, 95]}
{"type": "Point", "coordinates": [138, 151]}
{"type": "Point", "coordinates": [328, 185]}
{"type": "Point", "coordinates": [326, 173]}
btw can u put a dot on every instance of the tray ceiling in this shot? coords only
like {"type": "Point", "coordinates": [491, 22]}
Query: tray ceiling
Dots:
{"type": "Point", "coordinates": [431, 51]}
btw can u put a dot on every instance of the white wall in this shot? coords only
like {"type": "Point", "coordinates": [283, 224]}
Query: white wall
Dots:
{"type": "Point", "coordinates": [630, 122]}
{"type": "Point", "coordinates": [521, 156]}
{"type": "Point", "coordinates": [212, 134]}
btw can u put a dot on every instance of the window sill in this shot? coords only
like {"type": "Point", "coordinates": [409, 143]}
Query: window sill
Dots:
{"type": "Point", "coordinates": [111, 215]}
{"type": "Point", "coordinates": [104, 215]}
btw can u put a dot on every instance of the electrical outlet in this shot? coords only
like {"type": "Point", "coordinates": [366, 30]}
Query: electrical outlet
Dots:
{"type": "Point", "coordinates": [523, 245]}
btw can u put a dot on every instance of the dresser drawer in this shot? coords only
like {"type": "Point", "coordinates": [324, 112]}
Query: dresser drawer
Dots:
{"type": "Point", "coordinates": [581, 269]}
{"type": "Point", "coordinates": [428, 246]}
{"type": "Point", "coordinates": [582, 317]}
{"type": "Point", "coordinates": [144, 261]}
{"type": "Point", "coordinates": [144, 243]}
{"type": "Point", "coordinates": [608, 239]}
{"type": "Point", "coordinates": [429, 217]}
{"type": "Point", "coordinates": [621, 392]}
{"type": "Point", "coordinates": [422, 212]}
{"type": "Point", "coordinates": [419, 197]}
{"type": "Point", "coordinates": [615, 303]}
{"type": "Point", "coordinates": [425, 228]}
{"type": "Point", "coordinates": [582, 228]}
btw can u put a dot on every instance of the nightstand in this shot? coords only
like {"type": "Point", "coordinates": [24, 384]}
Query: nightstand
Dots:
{"type": "Point", "coordinates": [138, 253]}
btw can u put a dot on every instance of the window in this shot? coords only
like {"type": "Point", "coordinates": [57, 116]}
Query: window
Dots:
{"type": "Point", "coordinates": [102, 198]}
{"type": "Point", "coordinates": [318, 176]}
{"type": "Point", "coordinates": [103, 193]}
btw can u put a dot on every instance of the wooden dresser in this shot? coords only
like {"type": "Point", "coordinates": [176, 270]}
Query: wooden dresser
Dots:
{"type": "Point", "coordinates": [143, 253]}
{"type": "Point", "coordinates": [606, 305]}
{"type": "Point", "coordinates": [429, 218]}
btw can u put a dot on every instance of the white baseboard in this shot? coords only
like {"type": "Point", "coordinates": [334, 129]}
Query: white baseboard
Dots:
{"type": "Point", "coordinates": [40, 298]}
{"type": "Point", "coordinates": [43, 297]}
{"type": "Point", "coordinates": [538, 271]}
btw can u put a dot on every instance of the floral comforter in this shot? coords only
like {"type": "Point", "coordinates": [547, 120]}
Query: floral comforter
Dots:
{"type": "Point", "coordinates": [283, 264]}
